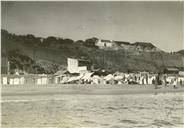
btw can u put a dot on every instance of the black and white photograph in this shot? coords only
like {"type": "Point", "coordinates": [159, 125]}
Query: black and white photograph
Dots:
{"type": "Point", "coordinates": [92, 64]}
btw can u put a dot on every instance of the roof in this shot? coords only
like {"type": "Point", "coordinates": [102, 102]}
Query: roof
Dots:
{"type": "Point", "coordinates": [80, 59]}
{"type": "Point", "coordinates": [84, 60]}
{"type": "Point", "coordinates": [144, 44]}
{"type": "Point", "coordinates": [105, 41]}
{"type": "Point", "coordinates": [172, 69]}
{"type": "Point", "coordinates": [61, 72]}
{"type": "Point", "coordinates": [100, 73]}
{"type": "Point", "coordinates": [122, 42]}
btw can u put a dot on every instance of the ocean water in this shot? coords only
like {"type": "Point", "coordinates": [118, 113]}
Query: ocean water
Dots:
{"type": "Point", "coordinates": [95, 111]}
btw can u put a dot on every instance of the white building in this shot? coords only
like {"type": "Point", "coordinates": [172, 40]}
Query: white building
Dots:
{"type": "Point", "coordinates": [104, 43]}
{"type": "Point", "coordinates": [74, 65]}
{"type": "Point", "coordinates": [181, 73]}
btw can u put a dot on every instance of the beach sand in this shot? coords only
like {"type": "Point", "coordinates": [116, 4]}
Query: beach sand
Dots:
{"type": "Point", "coordinates": [10, 90]}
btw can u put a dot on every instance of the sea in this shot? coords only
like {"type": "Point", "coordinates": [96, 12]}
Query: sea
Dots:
{"type": "Point", "coordinates": [162, 110]}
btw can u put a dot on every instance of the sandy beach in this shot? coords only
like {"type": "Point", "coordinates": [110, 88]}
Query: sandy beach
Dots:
{"type": "Point", "coordinates": [10, 90]}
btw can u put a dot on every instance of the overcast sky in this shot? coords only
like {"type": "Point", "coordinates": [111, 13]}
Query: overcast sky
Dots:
{"type": "Point", "coordinates": [160, 23]}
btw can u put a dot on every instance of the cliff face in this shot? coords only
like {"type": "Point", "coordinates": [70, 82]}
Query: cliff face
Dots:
{"type": "Point", "coordinates": [50, 54]}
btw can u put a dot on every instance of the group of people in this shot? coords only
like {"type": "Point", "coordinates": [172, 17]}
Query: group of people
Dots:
{"type": "Point", "coordinates": [169, 80]}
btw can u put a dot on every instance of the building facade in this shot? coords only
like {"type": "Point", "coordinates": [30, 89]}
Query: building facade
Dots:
{"type": "Point", "coordinates": [104, 43]}
{"type": "Point", "coordinates": [78, 65]}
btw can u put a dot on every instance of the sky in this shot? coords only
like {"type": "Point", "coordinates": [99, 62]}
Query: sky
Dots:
{"type": "Point", "coordinates": [160, 23]}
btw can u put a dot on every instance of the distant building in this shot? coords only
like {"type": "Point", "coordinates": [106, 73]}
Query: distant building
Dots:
{"type": "Point", "coordinates": [124, 45]}
{"type": "Point", "coordinates": [78, 65]}
{"type": "Point", "coordinates": [144, 46]}
{"type": "Point", "coordinates": [104, 43]}
{"type": "Point", "coordinates": [171, 70]}
{"type": "Point", "coordinates": [38, 79]}
{"type": "Point", "coordinates": [181, 73]}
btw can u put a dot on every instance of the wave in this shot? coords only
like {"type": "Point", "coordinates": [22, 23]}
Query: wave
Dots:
{"type": "Point", "coordinates": [162, 123]}
{"type": "Point", "coordinates": [128, 121]}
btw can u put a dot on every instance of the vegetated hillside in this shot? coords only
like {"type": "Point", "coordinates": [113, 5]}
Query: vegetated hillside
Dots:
{"type": "Point", "coordinates": [48, 55]}
{"type": "Point", "coordinates": [137, 46]}
{"type": "Point", "coordinates": [181, 52]}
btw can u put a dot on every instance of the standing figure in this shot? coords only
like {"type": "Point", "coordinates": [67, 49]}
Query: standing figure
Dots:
{"type": "Point", "coordinates": [156, 82]}
{"type": "Point", "coordinates": [165, 81]}
{"type": "Point", "coordinates": [174, 83]}
{"type": "Point", "coordinates": [180, 82]}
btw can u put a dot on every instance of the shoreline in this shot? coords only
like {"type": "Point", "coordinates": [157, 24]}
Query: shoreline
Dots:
{"type": "Point", "coordinates": [29, 90]}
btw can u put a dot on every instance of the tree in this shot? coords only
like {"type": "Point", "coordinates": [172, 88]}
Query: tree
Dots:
{"type": "Point", "coordinates": [68, 41]}
{"type": "Point", "coordinates": [49, 40]}
{"type": "Point", "coordinates": [80, 42]}
{"type": "Point", "coordinates": [91, 42]}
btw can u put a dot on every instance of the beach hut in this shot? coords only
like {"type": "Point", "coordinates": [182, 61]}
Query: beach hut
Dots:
{"type": "Point", "coordinates": [151, 79]}
{"type": "Point", "coordinates": [41, 79]}
{"type": "Point", "coordinates": [13, 79]}
{"type": "Point", "coordinates": [4, 79]}
{"type": "Point", "coordinates": [96, 79]}
{"type": "Point", "coordinates": [180, 81]}
{"type": "Point", "coordinates": [109, 78]}
{"type": "Point", "coordinates": [87, 76]}
{"type": "Point", "coordinates": [74, 78]}
{"type": "Point", "coordinates": [30, 79]}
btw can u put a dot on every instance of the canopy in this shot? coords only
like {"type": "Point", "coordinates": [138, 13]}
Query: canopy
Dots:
{"type": "Point", "coordinates": [109, 77]}
{"type": "Point", "coordinates": [118, 77]}
{"type": "Point", "coordinates": [75, 78]}
{"type": "Point", "coordinates": [87, 76]}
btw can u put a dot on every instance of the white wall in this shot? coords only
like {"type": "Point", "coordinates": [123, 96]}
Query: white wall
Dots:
{"type": "Point", "coordinates": [5, 80]}
{"type": "Point", "coordinates": [72, 65]}
{"type": "Point", "coordinates": [16, 81]}
{"type": "Point", "coordinates": [181, 73]}
{"type": "Point", "coordinates": [42, 80]}
{"type": "Point", "coordinates": [100, 44]}
{"type": "Point", "coordinates": [108, 44]}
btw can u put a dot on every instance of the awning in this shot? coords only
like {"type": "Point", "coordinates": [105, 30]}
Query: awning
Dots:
{"type": "Point", "coordinates": [109, 77]}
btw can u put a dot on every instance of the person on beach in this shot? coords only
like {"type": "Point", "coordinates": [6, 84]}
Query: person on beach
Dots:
{"type": "Point", "coordinates": [175, 83]}
{"type": "Point", "coordinates": [165, 81]}
{"type": "Point", "coordinates": [146, 78]}
{"type": "Point", "coordinates": [181, 83]}
{"type": "Point", "coordinates": [156, 82]}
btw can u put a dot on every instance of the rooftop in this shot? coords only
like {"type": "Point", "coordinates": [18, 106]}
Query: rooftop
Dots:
{"type": "Point", "coordinates": [172, 69]}
{"type": "Point", "coordinates": [105, 41]}
{"type": "Point", "coordinates": [144, 44]}
{"type": "Point", "coordinates": [122, 42]}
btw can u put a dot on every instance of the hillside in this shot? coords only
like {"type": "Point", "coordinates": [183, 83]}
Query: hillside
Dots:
{"type": "Point", "coordinates": [181, 52]}
{"type": "Point", "coordinates": [50, 54]}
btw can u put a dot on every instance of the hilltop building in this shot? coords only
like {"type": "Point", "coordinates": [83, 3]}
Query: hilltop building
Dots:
{"type": "Point", "coordinates": [124, 45]}
{"type": "Point", "coordinates": [104, 43]}
{"type": "Point", "coordinates": [137, 46]}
